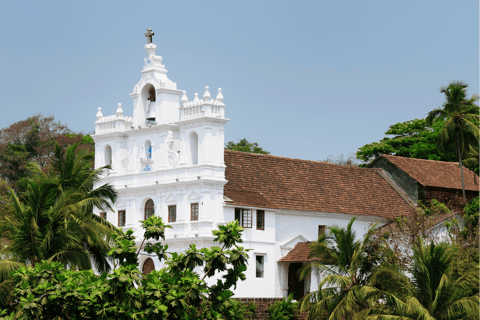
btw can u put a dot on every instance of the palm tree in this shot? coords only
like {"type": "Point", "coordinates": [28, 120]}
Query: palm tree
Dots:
{"type": "Point", "coordinates": [349, 264]}
{"type": "Point", "coordinates": [53, 219]}
{"type": "Point", "coordinates": [461, 115]}
{"type": "Point", "coordinates": [439, 286]}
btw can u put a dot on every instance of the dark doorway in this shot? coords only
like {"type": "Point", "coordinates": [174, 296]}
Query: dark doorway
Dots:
{"type": "Point", "coordinates": [295, 286]}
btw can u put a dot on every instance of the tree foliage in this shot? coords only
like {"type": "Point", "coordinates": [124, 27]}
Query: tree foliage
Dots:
{"type": "Point", "coordinates": [245, 146]}
{"type": "Point", "coordinates": [411, 139]}
{"type": "Point", "coordinates": [53, 218]}
{"type": "Point", "coordinates": [344, 160]}
{"type": "Point", "coordinates": [33, 139]}
{"type": "Point", "coordinates": [50, 291]}
{"type": "Point", "coordinates": [461, 121]}
{"type": "Point", "coordinates": [347, 265]}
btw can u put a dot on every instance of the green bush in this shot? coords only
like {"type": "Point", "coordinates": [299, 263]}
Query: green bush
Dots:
{"type": "Point", "coordinates": [283, 310]}
{"type": "Point", "coordinates": [50, 291]}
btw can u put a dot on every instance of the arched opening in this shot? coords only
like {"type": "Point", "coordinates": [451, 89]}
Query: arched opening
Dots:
{"type": "Point", "coordinates": [108, 156]}
{"type": "Point", "coordinates": [149, 209]}
{"type": "Point", "coordinates": [149, 97]}
{"type": "Point", "coordinates": [148, 266]}
{"type": "Point", "coordinates": [193, 148]}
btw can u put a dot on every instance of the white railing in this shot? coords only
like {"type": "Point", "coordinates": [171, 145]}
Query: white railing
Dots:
{"type": "Point", "coordinates": [113, 123]}
{"type": "Point", "coordinates": [192, 111]}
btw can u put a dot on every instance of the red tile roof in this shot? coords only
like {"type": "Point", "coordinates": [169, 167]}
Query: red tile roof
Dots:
{"type": "Point", "coordinates": [267, 181]}
{"type": "Point", "coordinates": [298, 254]}
{"type": "Point", "coordinates": [440, 174]}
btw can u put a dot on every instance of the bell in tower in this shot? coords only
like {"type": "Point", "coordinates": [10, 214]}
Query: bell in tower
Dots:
{"type": "Point", "coordinates": [151, 109]}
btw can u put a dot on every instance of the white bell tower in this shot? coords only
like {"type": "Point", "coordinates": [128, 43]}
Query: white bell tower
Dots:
{"type": "Point", "coordinates": [169, 155]}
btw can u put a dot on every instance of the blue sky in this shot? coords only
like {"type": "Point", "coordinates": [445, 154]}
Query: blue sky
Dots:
{"type": "Point", "coordinates": [304, 79]}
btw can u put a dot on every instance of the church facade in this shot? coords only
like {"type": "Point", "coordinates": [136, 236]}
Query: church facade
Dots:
{"type": "Point", "coordinates": [169, 160]}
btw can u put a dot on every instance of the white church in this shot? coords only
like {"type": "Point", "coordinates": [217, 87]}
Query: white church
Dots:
{"type": "Point", "coordinates": [169, 160]}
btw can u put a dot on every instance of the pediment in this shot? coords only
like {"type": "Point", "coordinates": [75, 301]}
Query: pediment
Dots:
{"type": "Point", "coordinates": [171, 198]}
{"type": "Point", "coordinates": [193, 196]}
{"type": "Point", "coordinates": [291, 242]}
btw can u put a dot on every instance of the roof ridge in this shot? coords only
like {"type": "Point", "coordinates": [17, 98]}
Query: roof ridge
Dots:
{"type": "Point", "coordinates": [296, 159]}
{"type": "Point", "coordinates": [391, 155]}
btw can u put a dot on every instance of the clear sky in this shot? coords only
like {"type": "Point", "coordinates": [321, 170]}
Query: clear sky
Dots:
{"type": "Point", "coordinates": [304, 79]}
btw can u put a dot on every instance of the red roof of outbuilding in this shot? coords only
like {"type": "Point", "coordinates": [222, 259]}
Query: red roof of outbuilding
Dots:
{"type": "Point", "coordinates": [440, 174]}
{"type": "Point", "coordinates": [267, 181]}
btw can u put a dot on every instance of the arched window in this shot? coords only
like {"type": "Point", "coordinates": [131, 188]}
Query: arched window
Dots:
{"type": "Point", "coordinates": [149, 209]}
{"type": "Point", "coordinates": [148, 266]}
{"type": "Point", "coordinates": [194, 148]}
{"type": "Point", "coordinates": [108, 155]}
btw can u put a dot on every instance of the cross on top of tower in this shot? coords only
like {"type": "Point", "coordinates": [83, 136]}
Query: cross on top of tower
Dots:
{"type": "Point", "coordinates": [149, 35]}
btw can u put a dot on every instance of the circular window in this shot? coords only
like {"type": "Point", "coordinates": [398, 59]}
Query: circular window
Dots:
{"type": "Point", "coordinates": [148, 266]}
{"type": "Point", "coordinates": [149, 209]}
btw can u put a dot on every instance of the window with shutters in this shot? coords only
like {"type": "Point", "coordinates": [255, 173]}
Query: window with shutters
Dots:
{"type": "Point", "coordinates": [244, 216]}
{"type": "Point", "coordinates": [103, 215]}
{"type": "Point", "coordinates": [172, 213]}
{"type": "Point", "coordinates": [260, 220]}
{"type": "Point", "coordinates": [149, 209]}
{"type": "Point", "coordinates": [194, 211]}
{"type": "Point", "coordinates": [121, 218]}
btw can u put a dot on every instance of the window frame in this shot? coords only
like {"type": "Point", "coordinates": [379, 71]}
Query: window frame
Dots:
{"type": "Point", "coordinates": [194, 214]}
{"type": "Point", "coordinates": [149, 208]}
{"type": "Point", "coordinates": [262, 275]}
{"type": "Point", "coordinates": [169, 213]}
{"type": "Point", "coordinates": [123, 220]}
{"type": "Point", "coordinates": [240, 217]}
{"type": "Point", "coordinates": [260, 213]}
{"type": "Point", "coordinates": [103, 215]}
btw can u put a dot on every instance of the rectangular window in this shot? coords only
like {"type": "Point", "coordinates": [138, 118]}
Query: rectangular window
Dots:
{"type": "Point", "coordinates": [194, 211]}
{"type": "Point", "coordinates": [246, 218]}
{"type": "Point", "coordinates": [103, 215]}
{"type": "Point", "coordinates": [321, 230]}
{"type": "Point", "coordinates": [172, 213]}
{"type": "Point", "coordinates": [121, 218]}
{"type": "Point", "coordinates": [260, 220]}
{"type": "Point", "coordinates": [259, 265]}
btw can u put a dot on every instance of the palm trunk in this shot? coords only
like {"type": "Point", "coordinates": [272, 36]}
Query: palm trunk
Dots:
{"type": "Point", "coordinates": [461, 169]}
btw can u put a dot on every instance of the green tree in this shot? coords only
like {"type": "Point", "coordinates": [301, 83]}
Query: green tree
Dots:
{"type": "Point", "coordinates": [33, 139]}
{"type": "Point", "coordinates": [53, 219]}
{"type": "Point", "coordinates": [461, 125]}
{"type": "Point", "coordinates": [434, 289]}
{"type": "Point", "coordinates": [348, 265]}
{"type": "Point", "coordinates": [245, 146]}
{"type": "Point", "coordinates": [412, 139]}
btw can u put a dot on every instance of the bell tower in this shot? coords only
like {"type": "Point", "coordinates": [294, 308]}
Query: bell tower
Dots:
{"type": "Point", "coordinates": [155, 97]}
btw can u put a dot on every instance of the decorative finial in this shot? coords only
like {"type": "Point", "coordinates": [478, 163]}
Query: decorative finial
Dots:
{"type": "Point", "coordinates": [219, 97]}
{"type": "Point", "coordinates": [119, 110]}
{"type": "Point", "coordinates": [196, 100]}
{"type": "Point", "coordinates": [99, 114]}
{"type": "Point", "coordinates": [206, 95]}
{"type": "Point", "coordinates": [149, 35]}
{"type": "Point", "coordinates": [184, 98]}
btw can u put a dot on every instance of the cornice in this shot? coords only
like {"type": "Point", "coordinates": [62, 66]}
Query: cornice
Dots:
{"type": "Point", "coordinates": [216, 120]}
{"type": "Point", "coordinates": [109, 135]}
